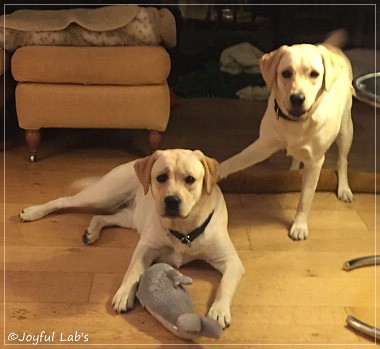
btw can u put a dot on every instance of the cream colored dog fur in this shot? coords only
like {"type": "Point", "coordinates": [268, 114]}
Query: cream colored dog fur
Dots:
{"type": "Point", "coordinates": [170, 190]}
{"type": "Point", "coordinates": [308, 109]}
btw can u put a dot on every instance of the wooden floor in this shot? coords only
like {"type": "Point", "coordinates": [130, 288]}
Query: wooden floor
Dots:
{"type": "Point", "coordinates": [292, 293]}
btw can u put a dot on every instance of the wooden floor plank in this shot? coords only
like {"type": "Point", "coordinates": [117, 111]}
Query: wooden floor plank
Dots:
{"type": "Point", "coordinates": [66, 259]}
{"type": "Point", "coordinates": [45, 287]}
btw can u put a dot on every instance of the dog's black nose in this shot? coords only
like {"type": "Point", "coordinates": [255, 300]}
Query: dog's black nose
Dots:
{"type": "Point", "coordinates": [172, 203]}
{"type": "Point", "coordinates": [297, 99]}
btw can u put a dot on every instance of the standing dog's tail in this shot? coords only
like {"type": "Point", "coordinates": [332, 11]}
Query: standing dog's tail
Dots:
{"type": "Point", "coordinates": [337, 38]}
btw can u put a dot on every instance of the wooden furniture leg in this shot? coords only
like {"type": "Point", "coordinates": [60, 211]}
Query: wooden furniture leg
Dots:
{"type": "Point", "coordinates": [33, 139]}
{"type": "Point", "coordinates": [154, 140]}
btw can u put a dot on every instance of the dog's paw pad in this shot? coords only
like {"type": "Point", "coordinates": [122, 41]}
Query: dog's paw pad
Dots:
{"type": "Point", "coordinates": [345, 195]}
{"type": "Point", "coordinates": [299, 232]}
{"type": "Point", "coordinates": [220, 314]}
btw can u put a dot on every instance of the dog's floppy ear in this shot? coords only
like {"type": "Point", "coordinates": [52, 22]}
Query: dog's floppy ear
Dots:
{"type": "Point", "coordinates": [268, 65]}
{"type": "Point", "coordinates": [211, 167]}
{"type": "Point", "coordinates": [331, 66]}
{"type": "Point", "coordinates": [143, 169]}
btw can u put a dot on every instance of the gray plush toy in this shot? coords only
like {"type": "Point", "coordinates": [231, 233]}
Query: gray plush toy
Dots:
{"type": "Point", "coordinates": [162, 292]}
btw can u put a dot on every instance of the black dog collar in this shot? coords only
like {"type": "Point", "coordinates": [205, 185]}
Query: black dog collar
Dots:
{"type": "Point", "coordinates": [190, 237]}
{"type": "Point", "coordinates": [280, 113]}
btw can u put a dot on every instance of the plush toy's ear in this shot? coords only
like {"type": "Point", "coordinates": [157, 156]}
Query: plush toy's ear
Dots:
{"type": "Point", "coordinates": [178, 278]}
{"type": "Point", "coordinates": [211, 167]}
{"type": "Point", "coordinates": [331, 66]}
{"type": "Point", "coordinates": [268, 65]}
{"type": "Point", "coordinates": [143, 169]}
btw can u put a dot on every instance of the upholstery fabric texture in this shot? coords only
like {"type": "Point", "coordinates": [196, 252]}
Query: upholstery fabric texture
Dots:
{"type": "Point", "coordinates": [126, 65]}
{"type": "Point", "coordinates": [97, 106]}
{"type": "Point", "coordinates": [119, 25]}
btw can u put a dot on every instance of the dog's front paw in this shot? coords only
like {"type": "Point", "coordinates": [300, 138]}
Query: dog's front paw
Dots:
{"type": "Point", "coordinates": [124, 299]}
{"type": "Point", "coordinates": [345, 194]}
{"type": "Point", "coordinates": [299, 231]}
{"type": "Point", "coordinates": [221, 314]}
{"type": "Point", "coordinates": [30, 214]}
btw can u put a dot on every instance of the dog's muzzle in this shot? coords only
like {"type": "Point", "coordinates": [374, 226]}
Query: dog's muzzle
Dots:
{"type": "Point", "coordinates": [172, 205]}
{"type": "Point", "coordinates": [297, 105]}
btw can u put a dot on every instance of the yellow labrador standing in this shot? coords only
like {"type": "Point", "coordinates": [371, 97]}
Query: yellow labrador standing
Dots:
{"type": "Point", "coordinates": [172, 200]}
{"type": "Point", "coordinates": [308, 109]}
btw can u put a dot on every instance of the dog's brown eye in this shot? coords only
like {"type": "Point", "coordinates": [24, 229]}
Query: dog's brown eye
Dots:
{"type": "Point", "coordinates": [162, 178]}
{"type": "Point", "coordinates": [286, 74]}
{"type": "Point", "coordinates": [314, 74]}
{"type": "Point", "coordinates": [189, 180]}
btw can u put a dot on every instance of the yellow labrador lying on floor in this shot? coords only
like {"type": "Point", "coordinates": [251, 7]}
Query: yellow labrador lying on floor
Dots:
{"type": "Point", "coordinates": [172, 200]}
{"type": "Point", "coordinates": [308, 109]}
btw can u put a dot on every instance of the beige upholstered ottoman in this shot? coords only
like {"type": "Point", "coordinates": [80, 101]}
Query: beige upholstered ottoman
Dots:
{"type": "Point", "coordinates": [91, 87]}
